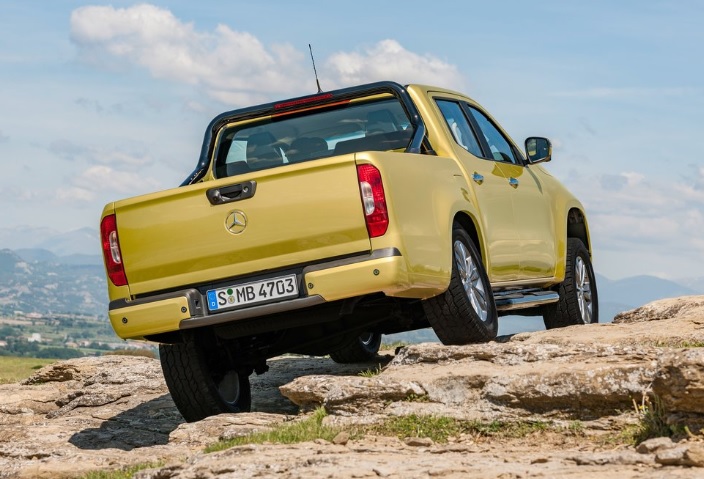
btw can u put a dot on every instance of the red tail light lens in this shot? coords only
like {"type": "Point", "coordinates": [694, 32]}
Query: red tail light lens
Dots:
{"type": "Point", "coordinates": [373, 200]}
{"type": "Point", "coordinates": [111, 251]}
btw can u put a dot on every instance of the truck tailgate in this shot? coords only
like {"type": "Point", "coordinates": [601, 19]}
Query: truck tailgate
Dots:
{"type": "Point", "coordinates": [299, 214]}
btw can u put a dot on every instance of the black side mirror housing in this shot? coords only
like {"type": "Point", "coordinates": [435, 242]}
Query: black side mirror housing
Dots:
{"type": "Point", "coordinates": [538, 149]}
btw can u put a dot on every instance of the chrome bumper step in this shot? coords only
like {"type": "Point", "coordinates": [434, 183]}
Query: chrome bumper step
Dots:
{"type": "Point", "coordinates": [511, 300]}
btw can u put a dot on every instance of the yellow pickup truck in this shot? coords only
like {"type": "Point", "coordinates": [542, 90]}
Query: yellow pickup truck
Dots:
{"type": "Point", "coordinates": [314, 225]}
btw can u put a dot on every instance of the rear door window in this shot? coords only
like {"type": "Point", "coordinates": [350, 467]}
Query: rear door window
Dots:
{"type": "Point", "coordinates": [459, 126]}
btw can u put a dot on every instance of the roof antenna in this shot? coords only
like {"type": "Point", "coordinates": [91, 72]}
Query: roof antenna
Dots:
{"type": "Point", "coordinates": [320, 90]}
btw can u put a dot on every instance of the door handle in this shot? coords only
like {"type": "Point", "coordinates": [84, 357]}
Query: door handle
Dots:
{"type": "Point", "coordinates": [513, 182]}
{"type": "Point", "coordinates": [230, 193]}
{"type": "Point", "coordinates": [478, 179]}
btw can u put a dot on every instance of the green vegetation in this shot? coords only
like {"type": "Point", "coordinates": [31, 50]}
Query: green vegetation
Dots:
{"type": "Point", "coordinates": [14, 369]}
{"type": "Point", "coordinates": [441, 428]}
{"type": "Point", "coordinates": [59, 336]}
{"type": "Point", "coordinates": [679, 344]}
{"type": "Point", "coordinates": [652, 422]}
{"type": "Point", "coordinates": [304, 430]}
{"type": "Point", "coordinates": [575, 428]}
{"type": "Point", "coordinates": [124, 473]}
{"type": "Point", "coordinates": [437, 428]}
{"type": "Point", "coordinates": [370, 373]}
{"type": "Point", "coordinates": [413, 397]}
{"type": "Point", "coordinates": [651, 414]}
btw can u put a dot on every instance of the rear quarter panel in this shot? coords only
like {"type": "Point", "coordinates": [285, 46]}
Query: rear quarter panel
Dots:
{"type": "Point", "coordinates": [423, 193]}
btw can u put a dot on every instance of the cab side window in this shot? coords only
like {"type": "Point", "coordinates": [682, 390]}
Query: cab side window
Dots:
{"type": "Point", "coordinates": [500, 147]}
{"type": "Point", "coordinates": [459, 126]}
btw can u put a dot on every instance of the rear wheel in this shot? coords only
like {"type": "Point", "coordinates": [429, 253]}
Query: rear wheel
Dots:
{"type": "Point", "coordinates": [201, 384]}
{"type": "Point", "coordinates": [360, 349]}
{"type": "Point", "coordinates": [578, 302]}
{"type": "Point", "coordinates": [466, 312]}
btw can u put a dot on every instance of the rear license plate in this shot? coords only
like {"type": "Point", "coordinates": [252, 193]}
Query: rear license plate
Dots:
{"type": "Point", "coordinates": [256, 292]}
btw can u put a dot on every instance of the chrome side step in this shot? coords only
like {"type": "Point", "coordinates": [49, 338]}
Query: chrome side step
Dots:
{"type": "Point", "coordinates": [510, 300]}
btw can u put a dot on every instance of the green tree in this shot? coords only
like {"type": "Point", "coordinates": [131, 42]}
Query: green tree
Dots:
{"type": "Point", "coordinates": [59, 353]}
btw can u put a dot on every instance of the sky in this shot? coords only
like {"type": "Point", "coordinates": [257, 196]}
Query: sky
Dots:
{"type": "Point", "coordinates": [102, 101]}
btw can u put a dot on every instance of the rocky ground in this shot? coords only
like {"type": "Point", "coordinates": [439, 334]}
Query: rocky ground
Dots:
{"type": "Point", "coordinates": [590, 388]}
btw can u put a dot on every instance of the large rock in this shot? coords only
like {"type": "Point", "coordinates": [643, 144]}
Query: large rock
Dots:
{"type": "Point", "coordinates": [492, 381]}
{"type": "Point", "coordinates": [104, 412]}
{"type": "Point", "coordinates": [684, 308]}
{"type": "Point", "coordinates": [679, 384]}
{"type": "Point", "coordinates": [109, 412]}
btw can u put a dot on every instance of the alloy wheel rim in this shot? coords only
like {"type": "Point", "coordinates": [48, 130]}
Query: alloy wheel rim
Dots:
{"type": "Point", "coordinates": [366, 338]}
{"type": "Point", "coordinates": [471, 280]}
{"type": "Point", "coordinates": [583, 286]}
{"type": "Point", "coordinates": [229, 388]}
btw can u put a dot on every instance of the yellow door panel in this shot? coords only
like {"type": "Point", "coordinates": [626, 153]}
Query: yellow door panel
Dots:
{"type": "Point", "coordinates": [534, 222]}
{"type": "Point", "coordinates": [489, 184]}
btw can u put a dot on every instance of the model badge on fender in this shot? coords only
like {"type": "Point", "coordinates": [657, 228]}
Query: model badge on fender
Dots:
{"type": "Point", "coordinates": [236, 222]}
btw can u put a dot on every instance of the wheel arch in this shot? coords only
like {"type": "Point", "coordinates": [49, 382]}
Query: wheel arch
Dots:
{"type": "Point", "coordinates": [468, 223]}
{"type": "Point", "coordinates": [577, 227]}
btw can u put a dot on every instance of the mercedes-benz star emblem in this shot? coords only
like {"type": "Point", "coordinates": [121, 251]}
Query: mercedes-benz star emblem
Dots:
{"type": "Point", "coordinates": [236, 222]}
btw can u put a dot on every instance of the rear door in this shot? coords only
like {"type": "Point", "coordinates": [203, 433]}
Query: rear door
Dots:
{"type": "Point", "coordinates": [531, 206]}
{"type": "Point", "coordinates": [490, 187]}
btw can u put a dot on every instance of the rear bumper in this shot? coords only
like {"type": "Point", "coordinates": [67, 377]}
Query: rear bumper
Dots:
{"type": "Point", "coordinates": [383, 271]}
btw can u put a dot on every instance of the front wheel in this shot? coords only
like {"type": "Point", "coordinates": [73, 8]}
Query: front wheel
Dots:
{"type": "Point", "coordinates": [200, 384]}
{"type": "Point", "coordinates": [578, 302]}
{"type": "Point", "coordinates": [466, 312]}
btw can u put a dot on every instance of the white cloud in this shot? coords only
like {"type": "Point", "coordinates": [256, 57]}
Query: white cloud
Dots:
{"type": "Point", "coordinates": [120, 156]}
{"type": "Point", "coordinates": [627, 92]}
{"type": "Point", "coordinates": [627, 211]}
{"type": "Point", "coordinates": [388, 60]}
{"type": "Point", "coordinates": [235, 67]}
{"type": "Point", "coordinates": [153, 38]}
{"type": "Point", "coordinates": [74, 194]}
{"type": "Point", "coordinates": [15, 194]}
{"type": "Point", "coordinates": [101, 179]}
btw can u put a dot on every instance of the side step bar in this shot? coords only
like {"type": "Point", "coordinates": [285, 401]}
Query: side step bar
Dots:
{"type": "Point", "coordinates": [510, 300]}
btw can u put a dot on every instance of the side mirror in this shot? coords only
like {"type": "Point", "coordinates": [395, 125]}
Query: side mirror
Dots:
{"type": "Point", "coordinates": [538, 149]}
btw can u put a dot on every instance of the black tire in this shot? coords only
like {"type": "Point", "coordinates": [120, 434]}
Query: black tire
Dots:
{"type": "Point", "coordinates": [579, 301]}
{"type": "Point", "coordinates": [198, 386]}
{"type": "Point", "coordinates": [466, 312]}
{"type": "Point", "coordinates": [360, 349]}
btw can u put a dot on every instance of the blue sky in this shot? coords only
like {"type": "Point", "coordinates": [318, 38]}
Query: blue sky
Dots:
{"type": "Point", "coordinates": [102, 101]}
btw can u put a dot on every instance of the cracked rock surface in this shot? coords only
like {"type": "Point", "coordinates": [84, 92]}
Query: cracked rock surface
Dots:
{"type": "Point", "coordinates": [588, 382]}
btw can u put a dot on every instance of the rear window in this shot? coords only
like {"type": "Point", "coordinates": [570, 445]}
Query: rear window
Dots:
{"type": "Point", "coordinates": [372, 125]}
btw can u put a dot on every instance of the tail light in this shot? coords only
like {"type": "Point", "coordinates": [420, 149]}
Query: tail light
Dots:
{"type": "Point", "coordinates": [373, 200]}
{"type": "Point", "coordinates": [111, 251]}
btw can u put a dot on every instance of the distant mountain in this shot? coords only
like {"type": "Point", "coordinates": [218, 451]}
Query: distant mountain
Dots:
{"type": "Point", "coordinates": [34, 255]}
{"type": "Point", "coordinates": [38, 255]}
{"type": "Point", "coordinates": [638, 290]}
{"type": "Point", "coordinates": [23, 236]}
{"type": "Point", "coordinates": [50, 286]}
{"type": "Point", "coordinates": [696, 284]}
{"type": "Point", "coordinates": [84, 241]}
